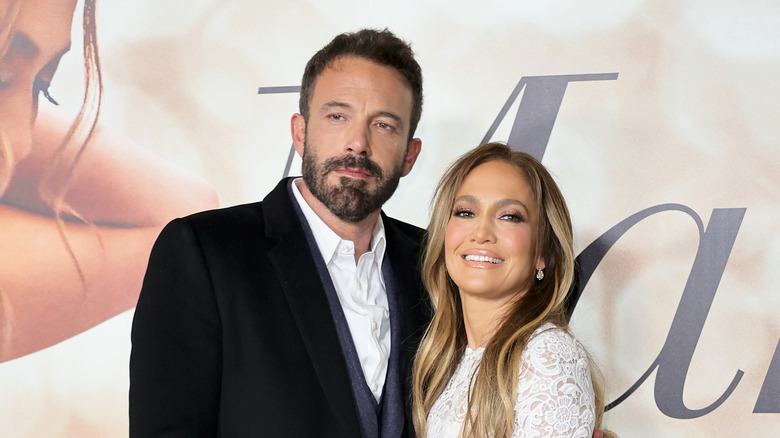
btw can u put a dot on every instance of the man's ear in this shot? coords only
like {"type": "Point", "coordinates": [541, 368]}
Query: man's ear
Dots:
{"type": "Point", "coordinates": [412, 152]}
{"type": "Point", "coordinates": [298, 131]}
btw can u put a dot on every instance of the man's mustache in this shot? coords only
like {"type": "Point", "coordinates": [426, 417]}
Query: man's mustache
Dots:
{"type": "Point", "coordinates": [357, 162]}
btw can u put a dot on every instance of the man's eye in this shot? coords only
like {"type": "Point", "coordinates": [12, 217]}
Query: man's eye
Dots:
{"type": "Point", "coordinates": [42, 86]}
{"type": "Point", "coordinates": [385, 126]}
{"type": "Point", "coordinates": [337, 117]}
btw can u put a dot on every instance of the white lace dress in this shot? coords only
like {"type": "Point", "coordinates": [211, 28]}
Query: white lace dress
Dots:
{"type": "Point", "coordinates": [555, 393]}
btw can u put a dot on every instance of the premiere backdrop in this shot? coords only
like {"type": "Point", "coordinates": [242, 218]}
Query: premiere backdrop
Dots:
{"type": "Point", "coordinates": [659, 120]}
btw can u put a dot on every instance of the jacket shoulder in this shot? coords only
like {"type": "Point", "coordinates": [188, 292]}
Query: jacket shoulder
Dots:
{"type": "Point", "coordinates": [404, 229]}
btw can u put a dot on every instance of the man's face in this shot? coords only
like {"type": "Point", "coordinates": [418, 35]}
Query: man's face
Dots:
{"type": "Point", "coordinates": [354, 144]}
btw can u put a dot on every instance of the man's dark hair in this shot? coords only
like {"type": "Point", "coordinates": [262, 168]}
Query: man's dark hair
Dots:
{"type": "Point", "coordinates": [381, 47]}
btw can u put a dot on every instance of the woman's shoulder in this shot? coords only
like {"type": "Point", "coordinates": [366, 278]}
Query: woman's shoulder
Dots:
{"type": "Point", "coordinates": [552, 341]}
{"type": "Point", "coordinates": [555, 393]}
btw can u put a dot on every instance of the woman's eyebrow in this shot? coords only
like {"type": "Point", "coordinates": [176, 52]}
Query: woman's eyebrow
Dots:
{"type": "Point", "coordinates": [501, 202]}
{"type": "Point", "coordinates": [23, 45]}
{"type": "Point", "coordinates": [516, 202]}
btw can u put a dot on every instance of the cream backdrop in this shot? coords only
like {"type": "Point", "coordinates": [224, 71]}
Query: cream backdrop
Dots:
{"type": "Point", "coordinates": [692, 119]}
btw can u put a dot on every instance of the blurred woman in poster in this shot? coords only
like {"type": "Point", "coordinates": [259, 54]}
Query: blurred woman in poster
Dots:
{"type": "Point", "coordinates": [80, 207]}
{"type": "Point", "coordinates": [498, 359]}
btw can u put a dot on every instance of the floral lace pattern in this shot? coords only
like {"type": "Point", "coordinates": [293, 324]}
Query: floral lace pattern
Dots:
{"type": "Point", "coordinates": [555, 393]}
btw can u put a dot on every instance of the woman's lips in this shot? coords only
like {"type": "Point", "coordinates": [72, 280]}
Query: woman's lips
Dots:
{"type": "Point", "coordinates": [482, 258]}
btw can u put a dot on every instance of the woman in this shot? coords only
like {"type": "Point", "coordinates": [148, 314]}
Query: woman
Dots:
{"type": "Point", "coordinates": [80, 207]}
{"type": "Point", "coordinates": [497, 359]}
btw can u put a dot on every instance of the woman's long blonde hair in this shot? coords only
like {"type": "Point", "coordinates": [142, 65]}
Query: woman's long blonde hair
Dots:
{"type": "Point", "coordinates": [54, 185]}
{"type": "Point", "coordinates": [492, 401]}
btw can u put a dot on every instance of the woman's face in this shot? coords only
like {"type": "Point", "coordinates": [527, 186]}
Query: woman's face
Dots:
{"type": "Point", "coordinates": [41, 35]}
{"type": "Point", "coordinates": [489, 240]}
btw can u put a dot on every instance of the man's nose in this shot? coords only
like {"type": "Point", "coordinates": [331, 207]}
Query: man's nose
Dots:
{"type": "Point", "coordinates": [358, 141]}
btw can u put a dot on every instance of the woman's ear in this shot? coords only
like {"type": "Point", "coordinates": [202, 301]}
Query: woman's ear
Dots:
{"type": "Point", "coordinates": [540, 264]}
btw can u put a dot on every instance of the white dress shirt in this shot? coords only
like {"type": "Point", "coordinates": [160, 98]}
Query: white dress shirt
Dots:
{"type": "Point", "coordinates": [360, 289]}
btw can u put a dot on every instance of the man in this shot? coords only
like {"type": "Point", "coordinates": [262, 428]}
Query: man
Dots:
{"type": "Point", "coordinates": [297, 316]}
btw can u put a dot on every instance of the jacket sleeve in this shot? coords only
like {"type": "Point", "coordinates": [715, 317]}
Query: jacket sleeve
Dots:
{"type": "Point", "coordinates": [176, 356]}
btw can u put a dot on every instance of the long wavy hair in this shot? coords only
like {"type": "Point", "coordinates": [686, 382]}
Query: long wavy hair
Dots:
{"type": "Point", "coordinates": [491, 403]}
{"type": "Point", "coordinates": [54, 185]}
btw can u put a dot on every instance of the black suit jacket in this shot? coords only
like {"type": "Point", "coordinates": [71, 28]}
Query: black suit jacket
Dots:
{"type": "Point", "coordinates": [232, 335]}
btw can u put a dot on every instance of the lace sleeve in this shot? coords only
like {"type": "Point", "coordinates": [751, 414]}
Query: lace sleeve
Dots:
{"type": "Point", "coordinates": [555, 393]}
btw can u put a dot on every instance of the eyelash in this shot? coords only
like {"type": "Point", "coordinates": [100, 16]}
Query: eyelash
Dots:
{"type": "Point", "coordinates": [514, 217]}
{"type": "Point", "coordinates": [461, 212]}
{"type": "Point", "coordinates": [464, 212]}
{"type": "Point", "coordinates": [42, 86]}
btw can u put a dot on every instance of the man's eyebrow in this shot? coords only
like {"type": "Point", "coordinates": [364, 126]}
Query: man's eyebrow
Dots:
{"type": "Point", "coordinates": [336, 104]}
{"type": "Point", "coordinates": [391, 115]}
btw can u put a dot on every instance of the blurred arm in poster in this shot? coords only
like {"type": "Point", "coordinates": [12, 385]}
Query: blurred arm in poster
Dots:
{"type": "Point", "coordinates": [80, 206]}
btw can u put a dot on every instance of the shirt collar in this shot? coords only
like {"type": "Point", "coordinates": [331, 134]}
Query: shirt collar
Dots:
{"type": "Point", "coordinates": [327, 240]}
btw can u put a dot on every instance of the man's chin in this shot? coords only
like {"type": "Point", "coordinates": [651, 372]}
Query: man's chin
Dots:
{"type": "Point", "coordinates": [349, 182]}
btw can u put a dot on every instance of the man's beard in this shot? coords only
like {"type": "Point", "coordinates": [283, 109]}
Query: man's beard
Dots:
{"type": "Point", "coordinates": [350, 200]}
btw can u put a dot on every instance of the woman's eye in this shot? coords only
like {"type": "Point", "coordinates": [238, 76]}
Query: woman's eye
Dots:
{"type": "Point", "coordinates": [512, 217]}
{"type": "Point", "coordinates": [462, 213]}
{"type": "Point", "coordinates": [42, 86]}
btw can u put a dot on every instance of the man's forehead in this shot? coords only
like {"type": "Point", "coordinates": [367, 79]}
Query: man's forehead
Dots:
{"type": "Point", "coordinates": [344, 63]}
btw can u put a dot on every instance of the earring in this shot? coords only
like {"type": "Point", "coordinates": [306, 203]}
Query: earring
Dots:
{"type": "Point", "coordinates": [539, 274]}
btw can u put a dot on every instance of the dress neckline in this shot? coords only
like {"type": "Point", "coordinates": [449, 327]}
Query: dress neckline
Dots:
{"type": "Point", "coordinates": [474, 352]}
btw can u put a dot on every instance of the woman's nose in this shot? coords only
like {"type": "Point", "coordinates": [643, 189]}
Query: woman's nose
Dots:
{"type": "Point", "coordinates": [483, 230]}
{"type": "Point", "coordinates": [18, 110]}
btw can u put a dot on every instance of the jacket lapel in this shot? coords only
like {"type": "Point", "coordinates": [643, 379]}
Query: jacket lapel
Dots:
{"type": "Point", "coordinates": [404, 252]}
{"type": "Point", "coordinates": [403, 249]}
{"type": "Point", "coordinates": [297, 273]}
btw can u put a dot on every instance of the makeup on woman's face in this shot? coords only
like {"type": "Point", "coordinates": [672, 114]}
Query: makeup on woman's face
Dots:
{"type": "Point", "coordinates": [39, 38]}
{"type": "Point", "coordinates": [490, 237]}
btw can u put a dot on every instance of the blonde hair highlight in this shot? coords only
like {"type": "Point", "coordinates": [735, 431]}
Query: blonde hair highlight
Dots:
{"type": "Point", "coordinates": [492, 400]}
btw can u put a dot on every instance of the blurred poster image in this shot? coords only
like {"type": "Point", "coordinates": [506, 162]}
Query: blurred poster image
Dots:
{"type": "Point", "coordinates": [85, 204]}
{"type": "Point", "coordinates": [116, 117]}
{"type": "Point", "coordinates": [81, 205]}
